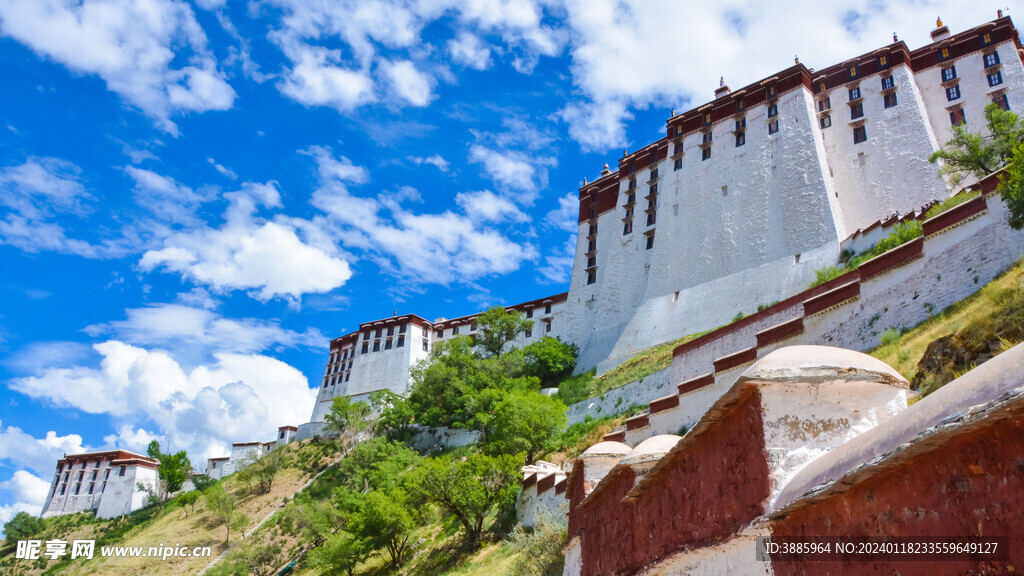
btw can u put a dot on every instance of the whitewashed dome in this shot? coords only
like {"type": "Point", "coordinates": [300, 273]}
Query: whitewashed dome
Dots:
{"type": "Point", "coordinates": [651, 450]}
{"type": "Point", "coordinates": [606, 449]}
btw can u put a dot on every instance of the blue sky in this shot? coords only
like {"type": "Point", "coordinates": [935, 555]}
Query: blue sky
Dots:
{"type": "Point", "coordinates": [196, 196]}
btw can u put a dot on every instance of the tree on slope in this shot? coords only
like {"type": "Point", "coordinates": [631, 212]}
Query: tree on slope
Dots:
{"type": "Point", "coordinates": [468, 489]}
{"type": "Point", "coordinates": [498, 327]}
{"type": "Point", "coordinates": [973, 154]}
{"type": "Point", "coordinates": [174, 468]}
{"type": "Point", "coordinates": [348, 419]}
{"type": "Point", "coordinates": [525, 422]}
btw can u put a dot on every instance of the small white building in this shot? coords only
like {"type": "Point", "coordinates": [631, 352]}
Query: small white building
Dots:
{"type": "Point", "coordinates": [285, 434]}
{"type": "Point", "coordinates": [107, 482]}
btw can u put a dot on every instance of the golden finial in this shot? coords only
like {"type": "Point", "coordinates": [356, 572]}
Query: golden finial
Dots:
{"type": "Point", "coordinates": [938, 22]}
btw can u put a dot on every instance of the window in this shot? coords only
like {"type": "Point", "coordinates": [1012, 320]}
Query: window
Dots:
{"type": "Point", "coordinates": [103, 486]}
{"type": "Point", "coordinates": [953, 92]}
{"type": "Point", "coordinates": [741, 139]}
{"type": "Point", "coordinates": [652, 201]}
{"type": "Point", "coordinates": [741, 124]}
{"type": "Point", "coordinates": [883, 61]}
{"type": "Point", "coordinates": [1001, 101]}
{"type": "Point", "coordinates": [91, 485]}
{"type": "Point", "coordinates": [627, 227]}
{"type": "Point", "coordinates": [677, 149]}
{"type": "Point", "coordinates": [821, 87]}
{"type": "Point", "coordinates": [825, 121]}
{"type": "Point", "coordinates": [401, 329]}
{"type": "Point", "coordinates": [854, 93]}
{"type": "Point", "coordinates": [591, 261]}
{"type": "Point", "coordinates": [376, 345]}
{"type": "Point", "coordinates": [391, 330]}
{"type": "Point", "coordinates": [366, 335]}
{"type": "Point", "coordinates": [78, 488]}
{"type": "Point", "coordinates": [401, 342]}
{"type": "Point", "coordinates": [856, 111]}
{"type": "Point", "coordinates": [547, 326]}
{"type": "Point", "coordinates": [387, 344]}
{"type": "Point", "coordinates": [547, 309]}
{"type": "Point", "coordinates": [426, 347]}
{"type": "Point", "coordinates": [890, 100]}
{"type": "Point", "coordinates": [948, 73]}
{"type": "Point", "coordinates": [632, 184]}
{"type": "Point", "coordinates": [380, 331]}
{"type": "Point", "coordinates": [956, 118]}
{"type": "Point", "coordinates": [591, 278]}
{"type": "Point", "coordinates": [824, 104]}
{"type": "Point", "coordinates": [995, 78]}
{"type": "Point", "coordinates": [81, 475]}
{"type": "Point", "coordinates": [707, 118]}
{"type": "Point", "coordinates": [991, 59]}
{"type": "Point", "coordinates": [425, 335]}
{"type": "Point", "coordinates": [770, 92]}
{"type": "Point", "coordinates": [741, 105]}
{"type": "Point", "coordinates": [654, 189]}
{"type": "Point", "coordinates": [455, 330]}
{"type": "Point", "coordinates": [986, 39]}
{"type": "Point", "coordinates": [631, 199]}
{"type": "Point", "coordinates": [592, 230]}
{"type": "Point", "coordinates": [121, 471]}
{"type": "Point", "coordinates": [773, 126]}
{"type": "Point", "coordinates": [650, 242]}
{"type": "Point", "coordinates": [705, 154]}
{"type": "Point", "coordinates": [943, 54]}
{"type": "Point", "coordinates": [591, 246]}
{"type": "Point", "coordinates": [888, 83]}
{"type": "Point", "coordinates": [93, 475]}
{"type": "Point", "coordinates": [707, 138]}
{"type": "Point", "coordinates": [654, 173]}
{"type": "Point", "coordinates": [678, 164]}
{"type": "Point", "coordinates": [365, 347]}
{"type": "Point", "coordinates": [347, 375]}
{"type": "Point", "coordinates": [773, 110]}
{"type": "Point", "coordinates": [860, 134]}
{"type": "Point", "coordinates": [529, 313]}
{"type": "Point", "coordinates": [62, 488]}
{"type": "Point", "coordinates": [853, 72]}
{"type": "Point", "coordinates": [651, 218]}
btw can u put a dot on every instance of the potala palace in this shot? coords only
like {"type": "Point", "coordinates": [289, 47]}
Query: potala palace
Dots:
{"type": "Point", "coordinates": [737, 206]}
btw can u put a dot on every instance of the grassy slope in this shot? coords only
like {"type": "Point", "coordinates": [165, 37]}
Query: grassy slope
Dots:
{"type": "Point", "coordinates": [984, 316]}
{"type": "Point", "coordinates": [172, 526]}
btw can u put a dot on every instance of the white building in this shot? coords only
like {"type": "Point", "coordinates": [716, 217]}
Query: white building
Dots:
{"type": "Point", "coordinates": [748, 195]}
{"type": "Point", "coordinates": [738, 206]}
{"type": "Point", "coordinates": [107, 482]}
{"type": "Point", "coordinates": [380, 354]}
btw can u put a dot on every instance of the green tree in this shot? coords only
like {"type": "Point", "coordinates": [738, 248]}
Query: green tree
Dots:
{"type": "Point", "coordinates": [222, 505]}
{"type": "Point", "coordinates": [550, 360]}
{"type": "Point", "coordinates": [188, 501]}
{"type": "Point", "coordinates": [385, 521]}
{"type": "Point", "coordinates": [379, 464]}
{"type": "Point", "coordinates": [342, 552]}
{"type": "Point", "coordinates": [444, 385]}
{"type": "Point", "coordinates": [202, 482]}
{"type": "Point", "coordinates": [264, 470]}
{"type": "Point", "coordinates": [498, 327]}
{"type": "Point", "coordinates": [396, 416]}
{"type": "Point", "coordinates": [348, 419]}
{"type": "Point", "coordinates": [973, 154]}
{"type": "Point", "coordinates": [468, 489]}
{"type": "Point", "coordinates": [316, 520]}
{"type": "Point", "coordinates": [174, 468]}
{"type": "Point", "coordinates": [525, 422]}
{"type": "Point", "coordinates": [258, 559]}
{"type": "Point", "coordinates": [1011, 188]}
{"type": "Point", "coordinates": [23, 526]}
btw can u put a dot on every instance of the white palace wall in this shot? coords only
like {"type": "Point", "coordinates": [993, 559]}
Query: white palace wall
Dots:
{"type": "Point", "coordinates": [963, 250]}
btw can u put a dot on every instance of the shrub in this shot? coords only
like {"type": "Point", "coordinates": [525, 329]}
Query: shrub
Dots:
{"type": "Point", "coordinates": [826, 274]}
{"type": "Point", "coordinates": [539, 550]}
{"type": "Point", "coordinates": [890, 336]}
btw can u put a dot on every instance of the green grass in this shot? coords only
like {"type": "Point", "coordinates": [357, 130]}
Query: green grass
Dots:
{"type": "Point", "coordinates": [950, 203]}
{"type": "Point", "coordinates": [640, 366]}
{"type": "Point", "coordinates": [993, 317]}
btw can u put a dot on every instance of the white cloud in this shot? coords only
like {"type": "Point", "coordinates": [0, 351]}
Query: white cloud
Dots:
{"type": "Point", "coordinates": [509, 169]}
{"type": "Point", "coordinates": [427, 248]}
{"type": "Point", "coordinates": [179, 328]}
{"type": "Point", "coordinates": [26, 491]}
{"type": "Point", "coordinates": [486, 206]}
{"type": "Point", "coordinates": [434, 160]}
{"type": "Point", "coordinates": [34, 197]}
{"type": "Point", "coordinates": [412, 85]}
{"type": "Point", "coordinates": [566, 217]}
{"type": "Point", "coordinates": [467, 49]}
{"type": "Point", "coordinates": [224, 171]}
{"type": "Point", "coordinates": [136, 440]}
{"type": "Point", "coordinates": [152, 53]}
{"type": "Point", "coordinates": [634, 54]}
{"type": "Point", "coordinates": [237, 397]}
{"type": "Point", "coordinates": [167, 199]}
{"type": "Point", "coordinates": [268, 258]}
{"type": "Point", "coordinates": [21, 450]}
{"type": "Point", "coordinates": [317, 79]}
